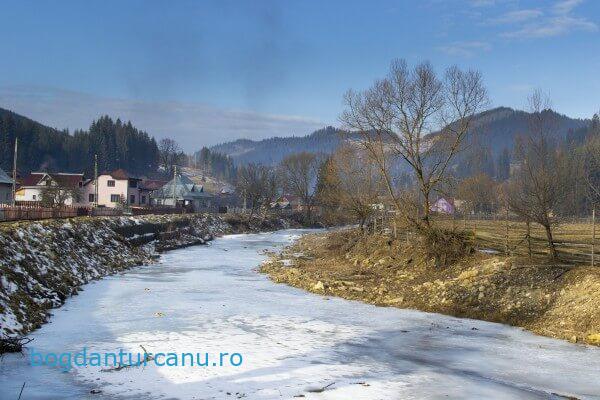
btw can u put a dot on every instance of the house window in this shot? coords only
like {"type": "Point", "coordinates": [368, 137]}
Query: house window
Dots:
{"type": "Point", "coordinates": [143, 200]}
{"type": "Point", "coordinates": [115, 198]}
{"type": "Point", "coordinates": [91, 198]}
{"type": "Point", "coordinates": [133, 184]}
{"type": "Point", "coordinates": [110, 183]}
{"type": "Point", "coordinates": [34, 197]}
{"type": "Point", "coordinates": [132, 199]}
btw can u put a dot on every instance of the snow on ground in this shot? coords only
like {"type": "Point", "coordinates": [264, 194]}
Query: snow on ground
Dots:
{"type": "Point", "coordinates": [43, 262]}
{"type": "Point", "coordinates": [211, 299]}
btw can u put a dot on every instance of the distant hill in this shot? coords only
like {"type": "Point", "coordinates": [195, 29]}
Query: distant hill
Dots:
{"type": "Point", "coordinates": [272, 151]}
{"type": "Point", "coordinates": [491, 138]}
{"type": "Point", "coordinates": [498, 127]}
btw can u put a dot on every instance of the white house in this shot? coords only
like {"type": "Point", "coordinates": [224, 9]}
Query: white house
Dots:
{"type": "Point", "coordinates": [116, 188]}
{"type": "Point", "coordinates": [33, 186]}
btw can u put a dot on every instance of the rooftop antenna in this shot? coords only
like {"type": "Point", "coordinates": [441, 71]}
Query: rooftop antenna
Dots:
{"type": "Point", "coordinates": [14, 183]}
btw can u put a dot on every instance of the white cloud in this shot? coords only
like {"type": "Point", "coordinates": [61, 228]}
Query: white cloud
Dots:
{"type": "Point", "coordinates": [465, 49]}
{"type": "Point", "coordinates": [517, 16]}
{"type": "Point", "coordinates": [565, 6]}
{"type": "Point", "coordinates": [193, 125]}
{"type": "Point", "coordinates": [558, 20]}
{"type": "Point", "coordinates": [554, 26]}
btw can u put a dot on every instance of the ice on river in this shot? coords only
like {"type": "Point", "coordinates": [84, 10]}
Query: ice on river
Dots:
{"type": "Point", "coordinates": [211, 299]}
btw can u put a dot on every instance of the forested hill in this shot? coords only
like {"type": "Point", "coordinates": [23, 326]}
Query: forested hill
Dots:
{"type": "Point", "coordinates": [492, 139]}
{"type": "Point", "coordinates": [498, 127]}
{"type": "Point", "coordinates": [118, 145]}
{"type": "Point", "coordinates": [271, 151]}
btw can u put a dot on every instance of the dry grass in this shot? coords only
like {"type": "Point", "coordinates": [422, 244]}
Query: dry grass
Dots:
{"type": "Point", "coordinates": [548, 299]}
{"type": "Point", "coordinates": [573, 240]}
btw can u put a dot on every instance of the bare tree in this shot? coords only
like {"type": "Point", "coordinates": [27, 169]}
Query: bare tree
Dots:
{"type": "Point", "coordinates": [350, 183]}
{"type": "Point", "coordinates": [56, 196]}
{"type": "Point", "coordinates": [169, 154]}
{"type": "Point", "coordinates": [298, 175]}
{"type": "Point", "coordinates": [534, 190]}
{"type": "Point", "coordinates": [478, 192]}
{"type": "Point", "coordinates": [420, 118]}
{"type": "Point", "coordinates": [257, 184]}
{"type": "Point", "coordinates": [591, 162]}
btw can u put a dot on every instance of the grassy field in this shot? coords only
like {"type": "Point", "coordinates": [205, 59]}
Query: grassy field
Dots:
{"type": "Point", "coordinates": [573, 239]}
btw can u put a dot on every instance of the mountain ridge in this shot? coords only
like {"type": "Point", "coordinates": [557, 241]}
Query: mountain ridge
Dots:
{"type": "Point", "coordinates": [496, 130]}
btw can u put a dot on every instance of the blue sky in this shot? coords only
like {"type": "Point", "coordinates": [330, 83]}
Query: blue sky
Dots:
{"type": "Point", "coordinates": [210, 71]}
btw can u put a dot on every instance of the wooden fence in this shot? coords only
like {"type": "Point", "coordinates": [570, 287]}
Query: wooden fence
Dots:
{"type": "Point", "coordinates": [16, 213]}
{"type": "Point", "coordinates": [574, 238]}
{"type": "Point", "coordinates": [574, 241]}
{"type": "Point", "coordinates": [34, 212]}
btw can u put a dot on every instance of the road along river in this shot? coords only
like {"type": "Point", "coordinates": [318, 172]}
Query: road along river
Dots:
{"type": "Point", "coordinates": [281, 342]}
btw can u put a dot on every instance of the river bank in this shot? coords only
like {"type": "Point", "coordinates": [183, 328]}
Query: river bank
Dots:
{"type": "Point", "coordinates": [42, 263]}
{"type": "Point", "coordinates": [294, 344]}
{"type": "Point", "coordinates": [550, 300]}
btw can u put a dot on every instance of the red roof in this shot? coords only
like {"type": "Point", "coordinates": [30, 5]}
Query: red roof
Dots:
{"type": "Point", "coordinates": [121, 174]}
{"type": "Point", "coordinates": [67, 180]}
{"type": "Point", "coordinates": [32, 179]}
{"type": "Point", "coordinates": [61, 179]}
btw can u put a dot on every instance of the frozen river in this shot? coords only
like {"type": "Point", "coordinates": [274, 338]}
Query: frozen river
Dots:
{"type": "Point", "coordinates": [293, 344]}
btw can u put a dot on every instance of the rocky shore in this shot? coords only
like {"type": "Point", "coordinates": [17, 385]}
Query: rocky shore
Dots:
{"type": "Point", "coordinates": [551, 300]}
{"type": "Point", "coordinates": [42, 263]}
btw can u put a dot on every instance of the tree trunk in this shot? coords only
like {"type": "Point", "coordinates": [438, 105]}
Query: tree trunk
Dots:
{"type": "Point", "coordinates": [528, 224]}
{"type": "Point", "coordinates": [426, 212]}
{"type": "Point", "coordinates": [251, 213]}
{"type": "Point", "coordinates": [551, 246]}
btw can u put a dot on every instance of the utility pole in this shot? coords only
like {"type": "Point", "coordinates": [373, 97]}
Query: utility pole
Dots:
{"type": "Point", "coordinates": [14, 185]}
{"type": "Point", "coordinates": [95, 180]}
{"type": "Point", "coordinates": [174, 186]}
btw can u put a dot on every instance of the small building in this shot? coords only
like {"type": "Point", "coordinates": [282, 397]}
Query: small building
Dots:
{"type": "Point", "coordinates": [6, 187]}
{"type": "Point", "coordinates": [147, 188]}
{"type": "Point", "coordinates": [116, 188]}
{"type": "Point", "coordinates": [226, 201]}
{"type": "Point", "coordinates": [443, 206]}
{"type": "Point", "coordinates": [289, 202]}
{"type": "Point", "coordinates": [58, 188]}
{"type": "Point", "coordinates": [181, 191]}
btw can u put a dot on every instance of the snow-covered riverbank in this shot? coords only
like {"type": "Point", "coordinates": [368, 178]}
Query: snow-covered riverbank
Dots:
{"type": "Point", "coordinates": [211, 299]}
{"type": "Point", "coordinates": [42, 263]}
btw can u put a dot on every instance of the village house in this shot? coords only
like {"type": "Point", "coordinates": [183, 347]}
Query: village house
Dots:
{"type": "Point", "coordinates": [443, 206]}
{"type": "Point", "coordinates": [53, 188]}
{"type": "Point", "coordinates": [147, 188]}
{"type": "Point", "coordinates": [182, 191]}
{"type": "Point", "coordinates": [288, 202]}
{"type": "Point", "coordinates": [116, 188]}
{"type": "Point", "coordinates": [6, 185]}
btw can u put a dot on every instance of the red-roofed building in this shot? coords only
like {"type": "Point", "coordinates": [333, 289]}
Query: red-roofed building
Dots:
{"type": "Point", "coordinates": [33, 186]}
{"type": "Point", "coordinates": [116, 188]}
